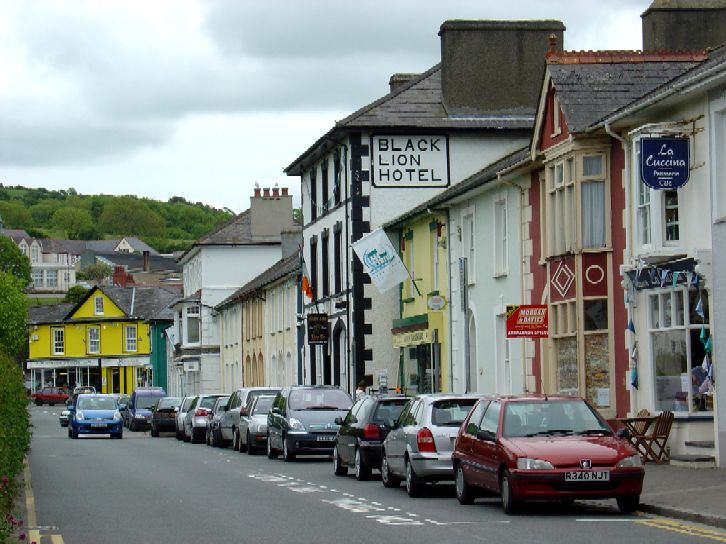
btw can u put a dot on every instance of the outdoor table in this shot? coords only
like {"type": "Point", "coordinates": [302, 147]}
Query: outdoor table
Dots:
{"type": "Point", "coordinates": [638, 427]}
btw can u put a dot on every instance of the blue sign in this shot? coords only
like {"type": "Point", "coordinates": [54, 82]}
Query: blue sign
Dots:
{"type": "Point", "coordinates": [664, 162]}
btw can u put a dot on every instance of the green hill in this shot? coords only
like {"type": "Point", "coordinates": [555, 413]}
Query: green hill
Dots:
{"type": "Point", "coordinates": [166, 226]}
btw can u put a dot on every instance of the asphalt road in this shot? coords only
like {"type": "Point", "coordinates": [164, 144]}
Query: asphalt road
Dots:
{"type": "Point", "coordinates": [159, 490]}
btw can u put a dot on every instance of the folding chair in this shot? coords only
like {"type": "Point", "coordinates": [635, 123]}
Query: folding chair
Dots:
{"type": "Point", "coordinates": [655, 441]}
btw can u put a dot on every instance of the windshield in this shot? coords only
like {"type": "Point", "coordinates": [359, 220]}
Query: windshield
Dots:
{"type": "Point", "coordinates": [146, 401]}
{"type": "Point", "coordinates": [263, 405]}
{"type": "Point", "coordinates": [547, 418]}
{"type": "Point", "coordinates": [319, 399]}
{"type": "Point", "coordinates": [452, 412]}
{"type": "Point", "coordinates": [97, 403]}
{"type": "Point", "coordinates": [388, 410]}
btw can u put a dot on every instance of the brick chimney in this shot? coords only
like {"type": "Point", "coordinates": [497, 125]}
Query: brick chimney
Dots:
{"type": "Point", "coordinates": [270, 215]}
{"type": "Point", "coordinates": [677, 25]}
{"type": "Point", "coordinates": [399, 80]}
{"type": "Point", "coordinates": [494, 67]}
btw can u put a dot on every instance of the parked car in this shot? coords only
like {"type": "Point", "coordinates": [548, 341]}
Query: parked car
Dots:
{"type": "Point", "coordinates": [80, 390]}
{"type": "Point", "coordinates": [253, 424]}
{"type": "Point", "coordinates": [50, 396]}
{"type": "Point", "coordinates": [361, 434]}
{"type": "Point", "coordinates": [123, 407]}
{"type": "Point", "coordinates": [163, 415]}
{"type": "Point", "coordinates": [302, 420]}
{"type": "Point", "coordinates": [95, 414]}
{"type": "Point", "coordinates": [419, 445]}
{"type": "Point", "coordinates": [63, 417]}
{"type": "Point", "coordinates": [213, 437]}
{"type": "Point", "coordinates": [544, 448]}
{"type": "Point", "coordinates": [230, 420]}
{"type": "Point", "coordinates": [181, 414]}
{"type": "Point", "coordinates": [140, 404]}
{"type": "Point", "coordinates": [195, 420]}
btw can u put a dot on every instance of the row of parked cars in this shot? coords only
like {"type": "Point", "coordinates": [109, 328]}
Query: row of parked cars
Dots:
{"type": "Point", "coordinates": [520, 448]}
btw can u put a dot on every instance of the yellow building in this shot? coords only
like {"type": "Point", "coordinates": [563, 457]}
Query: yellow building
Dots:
{"type": "Point", "coordinates": [422, 331]}
{"type": "Point", "coordinates": [102, 341]}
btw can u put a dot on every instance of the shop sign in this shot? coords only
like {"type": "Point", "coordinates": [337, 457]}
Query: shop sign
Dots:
{"type": "Point", "coordinates": [412, 338]}
{"type": "Point", "coordinates": [664, 162]}
{"type": "Point", "coordinates": [436, 302]}
{"type": "Point", "coordinates": [410, 161]}
{"type": "Point", "coordinates": [318, 329]}
{"type": "Point", "coordinates": [526, 321]}
{"type": "Point", "coordinates": [62, 363]}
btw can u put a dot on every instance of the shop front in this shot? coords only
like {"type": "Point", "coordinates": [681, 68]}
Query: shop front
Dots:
{"type": "Point", "coordinates": [123, 375]}
{"type": "Point", "coordinates": [67, 373]}
{"type": "Point", "coordinates": [418, 340]}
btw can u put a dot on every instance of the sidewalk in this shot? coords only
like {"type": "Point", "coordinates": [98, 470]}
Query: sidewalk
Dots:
{"type": "Point", "coordinates": [697, 495]}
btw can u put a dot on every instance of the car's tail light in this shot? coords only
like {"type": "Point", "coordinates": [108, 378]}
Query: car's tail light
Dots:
{"type": "Point", "coordinates": [201, 412]}
{"type": "Point", "coordinates": [371, 431]}
{"type": "Point", "coordinates": [425, 441]}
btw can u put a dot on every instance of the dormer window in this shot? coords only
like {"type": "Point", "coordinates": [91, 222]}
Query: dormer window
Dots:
{"type": "Point", "coordinates": [34, 253]}
{"type": "Point", "coordinates": [98, 305]}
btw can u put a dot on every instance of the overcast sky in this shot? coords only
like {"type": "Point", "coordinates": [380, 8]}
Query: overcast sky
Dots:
{"type": "Point", "coordinates": [201, 99]}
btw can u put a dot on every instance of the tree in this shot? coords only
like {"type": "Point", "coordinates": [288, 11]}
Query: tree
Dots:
{"type": "Point", "coordinates": [129, 215]}
{"type": "Point", "coordinates": [13, 311]}
{"type": "Point", "coordinates": [96, 272]}
{"type": "Point", "coordinates": [13, 261]}
{"type": "Point", "coordinates": [72, 221]}
{"type": "Point", "coordinates": [75, 294]}
{"type": "Point", "coordinates": [15, 214]}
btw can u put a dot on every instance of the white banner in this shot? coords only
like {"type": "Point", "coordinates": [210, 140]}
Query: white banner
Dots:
{"type": "Point", "coordinates": [380, 260]}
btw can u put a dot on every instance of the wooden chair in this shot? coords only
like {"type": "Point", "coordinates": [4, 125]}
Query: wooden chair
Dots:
{"type": "Point", "coordinates": [641, 426]}
{"type": "Point", "coordinates": [654, 442]}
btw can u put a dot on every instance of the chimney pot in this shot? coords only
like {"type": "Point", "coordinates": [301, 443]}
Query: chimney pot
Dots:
{"type": "Point", "coordinates": [276, 191]}
{"type": "Point", "coordinates": [284, 191]}
{"type": "Point", "coordinates": [257, 191]}
{"type": "Point", "coordinates": [266, 192]}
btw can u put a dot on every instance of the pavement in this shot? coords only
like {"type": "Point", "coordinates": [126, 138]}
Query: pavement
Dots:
{"type": "Point", "coordinates": [691, 494]}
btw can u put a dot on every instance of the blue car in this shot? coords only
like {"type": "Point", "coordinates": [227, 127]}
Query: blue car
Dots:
{"type": "Point", "coordinates": [95, 414]}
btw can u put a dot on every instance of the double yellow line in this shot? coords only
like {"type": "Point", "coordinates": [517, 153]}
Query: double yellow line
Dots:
{"type": "Point", "coordinates": [689, 529]}
{"type": "Point", "coordinates": [30, 514]}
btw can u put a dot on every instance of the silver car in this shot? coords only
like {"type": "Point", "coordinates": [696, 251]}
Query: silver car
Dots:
{"type": "Point", "coordinates": [229, 422]}
{"type": "Point", "coordinates": [418, 448]}
{"type": "Point", "coordinates": [195, 421]}
{"type": "Point", "coordinates": [181, 414]}
{"type": "Point", "coordinates": [253, 425]}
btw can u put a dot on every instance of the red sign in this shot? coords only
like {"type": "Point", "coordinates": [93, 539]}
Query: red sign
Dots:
{"type": "Point", "coordinates": [526, 321]}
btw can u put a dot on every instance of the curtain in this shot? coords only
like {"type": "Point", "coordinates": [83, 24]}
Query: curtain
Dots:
{"type": "Point", "coordinates": [593, 214]}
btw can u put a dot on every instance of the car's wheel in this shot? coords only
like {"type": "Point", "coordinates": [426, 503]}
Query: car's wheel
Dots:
{"type": "Point", "coordinates": [413, 486]}
{"type": "Point", "coordinates": [509, 503]}
{"type": "Point", "coordinates": [235, 439]}
{"type": "Point", "coordinates": [74, 434]}
{"type": "Point", "coordinates": [339, 469]}
{"type": "Point", "coordinates": [207, 437]}
{"type": "Point", "coordinates": [362, 471]}
{"type": "Point", "coordinates": [250, 448]}
{"type": "Point", "coordinates": [196, 436]}
{"type": "Point", "coordinates": [154, 432]}
{"type": "Point", "coordinates": [70, 433]}
{"type": "Point", "coordinates": [388, 479]}
{"type": "Point", "coordinates": [119, 435]}
{"type": "Point", "coordinates": [179, 436]}
{"type": "Point", "coordinates": [51, 404]}
{"type": "Point", "coordinates": [464, 493]}
{"type": "Point", "coordinates": [628, 505]}
{"type": "Point", "coordinates": [271, 453]}
{"type": "Point", "coordinates": [243, 446]}
{"type": "Point", "coordinates": [38, 402]}
{"type": "Point", "coordinates": [287, 455]}
{"type": "Point", "coordinates": [132, 426]}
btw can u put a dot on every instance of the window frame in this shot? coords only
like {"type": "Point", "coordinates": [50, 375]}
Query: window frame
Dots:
{"type": "Point", "coordinates": [131, 343]}
{"type": "Point", "coordinates": [98, 309]}
{"type": "Point", "coordinates": [468, 242]}
{"type": "Point", "coordinates": [58, 339]}
{"type": "Point", "coordinates": [90, 341]}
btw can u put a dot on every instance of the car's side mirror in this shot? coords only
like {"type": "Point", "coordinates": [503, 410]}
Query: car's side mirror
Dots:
{"type": "Point", "coordinates": [338, 420]}
{"type": "Point", "coordinates": [623, 433]}
{"type": "Point", "coordinates": [489, 436]}
{"type": "Point", "coordinates": [391, 423]}
{"type": "Point", "coordinates": [275, 410]}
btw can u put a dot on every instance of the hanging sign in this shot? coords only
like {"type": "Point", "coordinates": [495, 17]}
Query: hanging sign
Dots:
{"type": "Point", "coordinates": [318, 330]}
{"type": "Point", "coordinates": [380, 260]}
{"type": "Point", "coordinates": [664, 162]}
{"type": "Point", "coordinates": [526, 321]}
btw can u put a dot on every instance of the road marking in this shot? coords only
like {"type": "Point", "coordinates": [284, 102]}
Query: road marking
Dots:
{"type": "Point", "coordinates": [622, 520]}
{"type": "Point", "coordinates": [56, 539]}
{"type": "Point", "coordinates": [32, 520]}
{"type": "Point", "coordinates": [684, 528]}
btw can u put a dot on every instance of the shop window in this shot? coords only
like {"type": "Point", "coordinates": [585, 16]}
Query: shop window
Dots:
{"type": "Point", "coordinates": [130, 338]}
{"type": "Point", "coordinates": [595, 313]}
{"type": "Point", "coordinates": [192, 324]}
{"type": "Point", "coordinates": [98, 305]}
{"type": "Point", "coordinates": [94, 340]}
{"type": "Point", "coordinates": [59, 347]}
{"type": "Point", "coordinates": [680, 344]}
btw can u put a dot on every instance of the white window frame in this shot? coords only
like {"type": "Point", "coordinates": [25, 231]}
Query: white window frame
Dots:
{"type": "Point", "coordinates": [131, 341]}
{"type": "Point", "coordinates": [468, 243]}
{"type": "Point", "coordinates": [191, 312]}
{"type": "Point", "coordinates": [94, 344]}
{"type": "Point", "coordinates": [34, 253]}
{"type": "Point", "coordinates": [560, 197]}
{"type": "Point", "coordinates": [602, 177]}
{"type": "Point", "coordinates": [501, 234]}
{"type": "Point", "coordinates": [58, 338]}
{"type": "Point", "coordinates": [37, 277]}
{"type": "Point", "coordinates": [51, 278]}
{"type": "Point", "coordinates": [98, 305]}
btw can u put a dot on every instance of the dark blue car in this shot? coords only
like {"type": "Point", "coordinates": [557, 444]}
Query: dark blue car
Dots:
{"type": "Point", "coordinates": [95, 414]}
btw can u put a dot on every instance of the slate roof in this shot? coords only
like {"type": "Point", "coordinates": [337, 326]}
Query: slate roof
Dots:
{"type": "Point", "coordinates": [110, 245]}
{"type": "Point", "coordinates": [72, 247]}
{"type": "Point", "coordinates": [482, 177]}
{"type": "Point", "coordinates": [135, 261]}
{"type": "Point", "coordinates": [16, 234]}
{"type": "Point", "coordinates": [415, 105]}
{"type": "Point", "coordinates": [601, 82]}
{"type": "Point", "coordinates": [49, 313]}
{"type": "Point", "coordinates": [283, 267]}
{"type": "Point", "coordinates": [139, 302]}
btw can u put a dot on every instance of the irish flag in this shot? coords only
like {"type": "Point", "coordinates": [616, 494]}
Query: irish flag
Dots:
{"type": "Point", "coordinates": [307, 289]}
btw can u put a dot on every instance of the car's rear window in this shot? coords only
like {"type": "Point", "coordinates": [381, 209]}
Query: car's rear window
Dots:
{"type": "Point", "coordinates": [452, 412]}
{"type": "Point", "coordinates": [263, 405]}
{"type": "Point", "coordinates": [168, 402]}
{"type": "Point", "coordinates": [207, 402]}
{"type": "Point", "coordinates": [146, 401]}
{"type": "Point", "coordinates": [388, 409]}
{"type": "Point", "coordinates": [319, 399]}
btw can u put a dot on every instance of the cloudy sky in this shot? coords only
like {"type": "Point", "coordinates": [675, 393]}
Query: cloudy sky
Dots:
{"type": "Point", "coordinates": [202, 98]}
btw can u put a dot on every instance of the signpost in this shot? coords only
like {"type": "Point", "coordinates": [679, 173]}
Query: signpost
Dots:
{"type": "Point", "coordinates": [526, 321]}
{"type": "Point", "coordinates": [664, 162]}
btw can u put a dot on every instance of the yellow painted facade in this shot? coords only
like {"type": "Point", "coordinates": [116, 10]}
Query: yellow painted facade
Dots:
{"type": "Point", "coordinates": [97, 342]}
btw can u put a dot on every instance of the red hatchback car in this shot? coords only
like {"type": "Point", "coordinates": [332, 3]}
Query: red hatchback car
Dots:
{"type": "Point", "coordinates": [544, 448]}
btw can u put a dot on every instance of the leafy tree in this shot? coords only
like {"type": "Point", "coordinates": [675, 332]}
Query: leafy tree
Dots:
{"type": "Point", "coordinates": [13, 311]}
{"type": "Point", "coordinates": [75, 294]}
{"type": "Point", "coordinates": [129, 215]}
{"type": "Point", "coordinates": [96, 272]}
{"type": "Point", "coordinates": [44, 210]}
{"type": "Point", "coordinates": [12, 261]}
{"type": "Point", "coordinates": [297, 215]}
{"type": "Point", "coordinates": [15, 215]}
{"type": "Point", "coordinates": [72, 221]}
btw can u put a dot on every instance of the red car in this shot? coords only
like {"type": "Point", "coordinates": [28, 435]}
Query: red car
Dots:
{"type": "Point", "coordinates": [50, 395]}
{"type": "Point", "coordinates": [544, 448]}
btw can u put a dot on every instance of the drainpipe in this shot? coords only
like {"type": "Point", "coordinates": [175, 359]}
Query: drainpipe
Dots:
{"type": "Point", "coordinates": [348, 328]}
{"type": "Point", "coordinates": [451, 313]}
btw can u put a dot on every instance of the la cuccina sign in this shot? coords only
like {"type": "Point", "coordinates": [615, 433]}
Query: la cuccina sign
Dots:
{"type": "Point", "coordinates": [664, 162]}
